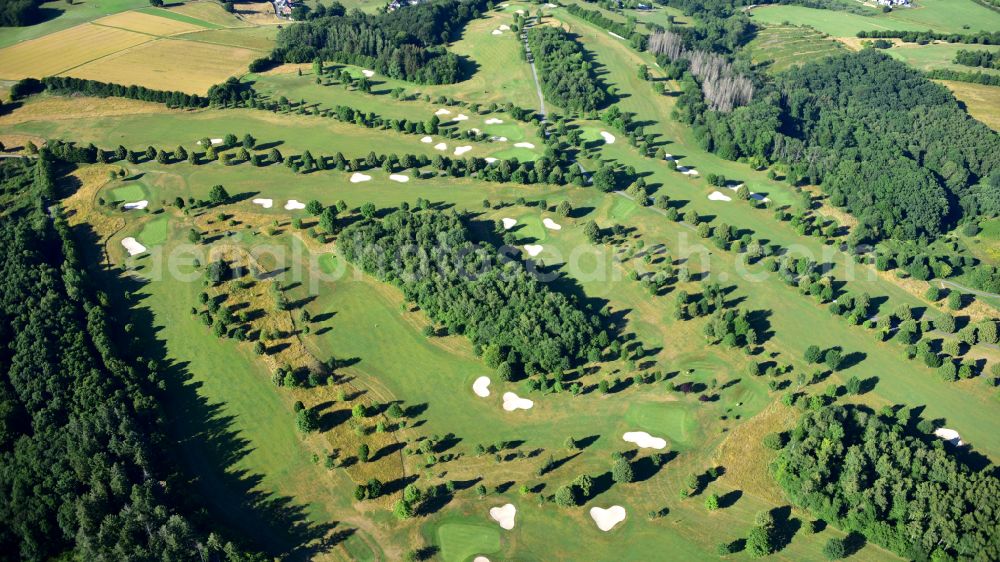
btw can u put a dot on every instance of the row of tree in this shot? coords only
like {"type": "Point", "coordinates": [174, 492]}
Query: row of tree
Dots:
{"type": "Point", "coordinates": [623, 29]}
{"type": "Point", "coordinates": [473, 290]}
{"type": "Point", "coordinates": [985, 59]}
{"type": "Point", "coordinates": [232, 92]}
{"type": "Point", "coordinates": [925, 37]}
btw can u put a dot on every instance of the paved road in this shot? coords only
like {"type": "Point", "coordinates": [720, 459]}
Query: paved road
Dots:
{"type": "Point", "coordinates": [534, 74]}
{"type": "Point", "coordinates": [964, 289]}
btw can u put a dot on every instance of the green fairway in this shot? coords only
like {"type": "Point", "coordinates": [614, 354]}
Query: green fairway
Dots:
{"type": "Point", "coordinates": [667, 419]}
{"type": "Point", "coordinates": [460, 542]}
{"type": "Point", "coordinates": [160, 12]}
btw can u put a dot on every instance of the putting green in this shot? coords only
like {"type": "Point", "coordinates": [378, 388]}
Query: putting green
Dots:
{"type": "Point", "coordinates": [522, 154]}
{"type": "Point", "coordinates": [327, 263]}
{"type": "Point", "coordinates": [461, 541]}
{"type": "Point", "coordinates": [154, 233]}
{"type": "Point", "coordinates": [128, 193]}
{"type": "Point", "coordinates": [510, 130]}
{"type": "Point", "coordinates": [670, 419]}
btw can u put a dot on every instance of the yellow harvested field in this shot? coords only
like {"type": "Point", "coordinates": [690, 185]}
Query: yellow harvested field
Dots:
{"type": "Point", "coordinates": [63, 50]}
{"type": "Point", "coordinates": [58, 108]}
{"type": "Point", "coordinates": [170, 64]}
{"type": "Point", "coordinates": [212, 12]}
{"type": "Point", "coordinates": [148, 23]}
{"type": "Point", "coordinates": [981, 101]}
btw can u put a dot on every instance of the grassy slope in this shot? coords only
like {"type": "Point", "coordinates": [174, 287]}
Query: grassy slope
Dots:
{"type": "Point", "coordinates": [790, 46]}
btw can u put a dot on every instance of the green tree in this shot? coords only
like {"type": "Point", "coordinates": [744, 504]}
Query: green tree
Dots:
{"type": "Point", "coordinates": [712, 502]}
{"type": "Point", "coordinates": [363, 452]}
{"type": "Point", "coordinates": [834, 549]}
{"type": "Point", "coordinates": [218, 195]}
{"type": "Point", "coordinates": [621, 471]}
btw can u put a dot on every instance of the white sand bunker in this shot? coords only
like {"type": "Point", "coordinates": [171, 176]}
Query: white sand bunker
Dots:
{"type": "Point", "coordinates": [490, 159]}
{"type": "Point", "coordinates": [754, 196]}
{"type": "Point", "coordinates": [133, 247]}
{"type": "Point", "coordinates": [215, 142]}
{"type": "Point", "coordinates": [294, 205]}
{"type": "Point", "coordinates": [136, 205]}
{"type": "Point", "coordinates": [442, 111]}
{"type": "Point", "coordinates": [644, 440]}
{"type": "Point", "coordinates": [460, 150]}
{"type": "Point", "coordinates": [358, 177]}
{"type": "Point", "coordinates": [504, 515]}
{"type": "Point", "coordinates": [606, 519]}
{"type": "Point", "coordinates": [441, 146]}
{"type": "Point", "coordinates": [481, 387]}
{"type": "Point", "coordinates": [608, 137]}
{"type": "Point", "coordinates": [496, 32]}
{"type": "Point", "coordinates": [533, 249]}
{"type": "Point", "coordinates": [460, 117]}
{"type": "Point", "coordinates": [949, 435]}
{"type": "Point", "coordinates": [524, 145]}
{"type": "Point", "coordinates": [266, 203]}
{"type": "Point", "coordinates": [426, 140]}
{"type": "Point", "coordinates": [475, 130]}
{"type": "Point", "coordinates": [504, 27]}
{"type": "Point", "coordinates": [513, 402]}
{"type": "Point", "coordinates": [719, 196]}
{"type": "Point", "coordinates": [551, 224]}
{"type": "Point", "coordinates": [399, 177]}
{"type": "Point", "coordinates": [615, 35]}
{"type": "Point", "coordinates": [494, 121]}
{"type": "Point", "coordinates": [498, 139]}
{"type": "Point", "coordinates": [508, 223]}
{"type": "Point", "coordinates": [368, 73]}
{"type": "Point", "coordinates": [519, 12]}
{"type": "Point", "coordinates": [480, 559]}
{"type": "Point", "coordinates": [668, 156]}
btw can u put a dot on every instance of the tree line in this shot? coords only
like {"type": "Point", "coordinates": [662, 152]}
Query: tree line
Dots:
{"type": "Point", "coordinates": [883, 141]}
{"type": "Point", "coordinates": [959, 76]}
{"type": "Point", "coordinates": [81, 472]}
{"type": "Point", "coordinates": [985, 59]}
{"type": "Point", "coordinates": [925, 37]}
{"type": "Point", "coordinates": [628, 31]}
{"type": "Point", "coordinates": [403, 44]}
{"type": "Point", "coordinates": [231, 92]}
{"type": "Point", "coordinates": [568, 78]}
{"type": "Point", "coordinates": [432, 256]}
{"type": "Point", "coordinates": [19, 13]}
{"type": "Point", "coordinates": [870, 473]}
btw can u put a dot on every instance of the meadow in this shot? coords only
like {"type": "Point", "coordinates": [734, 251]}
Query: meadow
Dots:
{"type": "Point", "coordinates": [790, 46]}
{"type": "Point", "coordinates": [980, 100]}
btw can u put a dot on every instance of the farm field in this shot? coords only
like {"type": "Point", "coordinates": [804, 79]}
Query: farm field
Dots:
{"type": "Point", "coordinates": [938, 55]}
{"type": "Point", "coordinates": [57, 16]}
{"type": "Point", "coordinates": [504, 339]}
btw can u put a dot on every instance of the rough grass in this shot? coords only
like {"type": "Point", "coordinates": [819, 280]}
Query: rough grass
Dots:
{"type": "Point", "coordinates": [60, 51]}
{"type": "Point", "coordinates": [981, 101]}
{"type": "Point", "coordinates": [207, 12]}
{"type": "Point", "coordinates": [788, 46]}
{"type": "Point", "coordinates": [259, 38]}
{"type": "Point", "coordinates": [938, 55]}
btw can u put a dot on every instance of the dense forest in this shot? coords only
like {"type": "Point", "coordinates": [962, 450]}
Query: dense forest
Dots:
{"type": "Point", "coordinates": [16, 13]}
{"type": "Point", "coordinates": [497, 304]}
{"type": "Point", "coordinates": [865, 473]}
{"type": "Point", "coordinates": [403, 44]}
{"type": "Point", "coordinates": [80, 469]}
{"type": "Point", "coordinates": [568, 78]}
{"type": "Point", "coordinates": [892, 147]}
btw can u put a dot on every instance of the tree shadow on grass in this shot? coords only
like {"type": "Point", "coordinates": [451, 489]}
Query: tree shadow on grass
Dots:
{"type": "Point", "coordinates": [204, 448]}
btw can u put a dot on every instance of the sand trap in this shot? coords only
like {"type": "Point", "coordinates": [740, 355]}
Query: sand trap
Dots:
{"type": "Point", "coordinates": [494, 121]}
{"type": "Point", "coordinates": [498, 139]}
{"type": "Point", "coordinates": [496, 32]}
{"type": "Point", "coordinates": [461, 117]}
{"type": "Point", "coordinates": [519, 11]}
{"type": "Point", "coordinates": [644, 440]}
{"type": "Point", "coordinates": [481, 387]}
{"type": "Point", "coordinates": [368, 73]}
{"type": "Point", "coordinates": [399, 177]}
{"type": "Point", "coordinates": [266, 203]}
{"type": "Point", "coordinates": [508, 223]}
{"type": "Point", "coordinates": [524, 145]}
{"type": "Point", "coordinates": [504, 515]}
{"type": "Point", "coordinates": [442, 111]}
{"type": "Point", "coordinates": [133, 247]}
{"type": "Point", "coordinates": [358, 177]}
{"type": "Point", "coordinates": [460, 150]}
{"type": "Point", "coordinates": [668, 156]}
{"type": "Point", "coordinates": [215, 142]}
{"type": "Point", "coordinates": [490, 159]}
{"type": "Point", "coordinates": [550, 5]}
{"type": "Point", "coordinates": [441, 146]}
{"type": "Point", "coordinates": [533, 249]}
{"type": "Point", "coordinates": [615, 35]}
{"type": "Point", "coordinates": [949, 435]}
{"type": "Point", "coordinates": [136, 205]}
{"type": "Point", "coordinates": [754, 196]}
{"type": "Point", "coordinates": [606, 519]}
{"type": "Point", "coordinates": [426, 140]}
{"type": "Point", "coordinates": [690, 172]}
{"type": "Point", "coordinates": [480, 559]}
{"type": "Point", "coordinates": [475, 130]}
{"type": "Point", "coordinates": [551, 224]}
{"type": "Point", "coordinates": [504, 27]}
{"type": "Point", "coordinates": [608, 137]}
{"type": "Point", "coordinates": [294, 205]}
{"type": "Point", "coordinates": [719, 196]}
{"type": "Point", "coordinates": [513, 402]}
